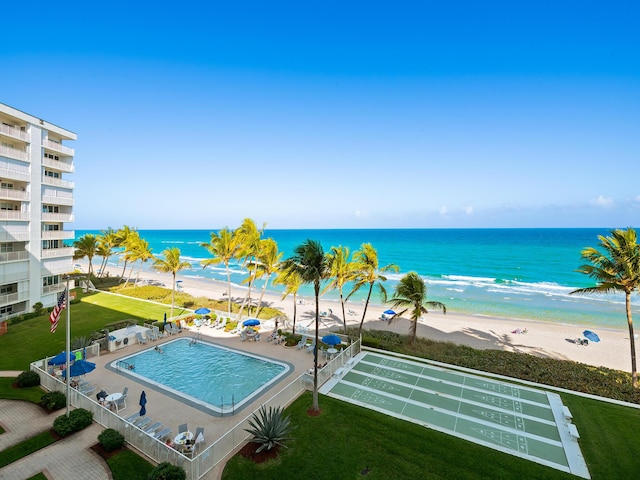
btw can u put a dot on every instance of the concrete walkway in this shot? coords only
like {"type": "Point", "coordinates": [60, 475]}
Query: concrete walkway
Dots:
{"type": "Point", "coordinates": [70, 457]}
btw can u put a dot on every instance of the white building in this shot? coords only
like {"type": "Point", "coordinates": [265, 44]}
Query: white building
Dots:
{"type": "Point", "coordinates": [36, 205]}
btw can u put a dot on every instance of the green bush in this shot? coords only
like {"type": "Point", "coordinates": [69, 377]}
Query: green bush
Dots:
{"type": "Point", "coordinates": [28, 378]}
{"type": "Point", "coordinates": [53, 400]}
{"type": "Point", "coordinates": [371, 342]}
{"type": "Point", "coordinates": [77, 420]}
{"type": "Point", "coordinates": [111, 439]}
{"type": "Point", "coordinates": [270, 428]}
{"type": "Point", "coordinates": [37, 308]}
{"type": "Point", "coordinates": [167, 471]}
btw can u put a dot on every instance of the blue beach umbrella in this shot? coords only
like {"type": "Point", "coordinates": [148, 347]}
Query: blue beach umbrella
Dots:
{"type": "Point", "coordinates": [202, 311]}
{"type": "Point", "coordinates": [389, 312]}
{"type": "Point", "coordinates": [61, 359]}
{"type": "Point", "coordinates": [331, 339]}
{"type": "Point", "coordinates": [80, 367]}
{"type": "Point", "coordinates": [143, 402]}
{"type": "Point", "coordinates": [591, 336]}
{"type": "Point", "coordinates": [252, 322]}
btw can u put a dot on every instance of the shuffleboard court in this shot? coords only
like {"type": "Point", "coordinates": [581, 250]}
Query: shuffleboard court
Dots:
{"type": "Point", "coordinates": [522, 421]}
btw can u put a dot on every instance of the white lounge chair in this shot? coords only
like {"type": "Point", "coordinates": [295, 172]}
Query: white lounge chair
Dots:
{"type": "Point", "coordinates": [141, 340]}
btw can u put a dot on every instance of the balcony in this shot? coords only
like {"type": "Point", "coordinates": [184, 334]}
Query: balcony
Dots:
{"type": "Point", "coordinates": [57, 182]}
{"type": "Point", "coordinates": [58, 165]}
{"type": "Point", "coordinates": [58, 147]}
{"type": "Point", "coordinates": [58, 268]}
{"type": "Point", "coordinates": [58, 252]}
{"type": "Point", "coordinates": [58, 287]}
{"type": "Point", "coordinates": [14, 256]}
{"type": "Point", "coordinates": [13, 153]}
{"type": "Point", "coordinates": [11, 194]}
{"type": "Point", "coordinates": [14, 132]}
{"type": "Point", "coordinates": [56, 200]}
{"type": "Point", "coordinates": [13, 298]}
{"type": "Point", "coordinates": [57, 234]}
{"type": "Point", "coordinates": [13, 173]}
{"type": "Point", "coordinates": [14, 236]}
{"type": "Point", "coordinates": [14, 215]}
{"type": "Point", "coordinates": [57, 217]}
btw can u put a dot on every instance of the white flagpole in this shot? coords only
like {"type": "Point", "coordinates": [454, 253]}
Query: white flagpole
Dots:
{"type": "Point", "coordinates": [68, 346]}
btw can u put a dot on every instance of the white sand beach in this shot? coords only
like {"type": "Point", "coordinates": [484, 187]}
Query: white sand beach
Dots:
{"type": "Point", "coordinates": [545, 339]}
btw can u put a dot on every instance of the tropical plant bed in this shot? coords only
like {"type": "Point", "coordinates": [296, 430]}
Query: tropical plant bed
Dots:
{"type": "Point", "coordinates": [249, 451]}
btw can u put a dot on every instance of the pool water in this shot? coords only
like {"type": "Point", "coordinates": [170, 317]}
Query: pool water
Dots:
{"type": "Point", "coordinates": [216, 378]}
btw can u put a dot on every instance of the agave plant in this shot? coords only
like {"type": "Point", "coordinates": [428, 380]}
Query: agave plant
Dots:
{"type": "Point", "coordinates": [270, 428]}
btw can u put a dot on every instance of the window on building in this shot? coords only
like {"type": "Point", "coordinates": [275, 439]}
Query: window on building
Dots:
{"type": "Point", "coordinates": [50, 280]}
{"type": "Point", "coordinates": [6, 247]}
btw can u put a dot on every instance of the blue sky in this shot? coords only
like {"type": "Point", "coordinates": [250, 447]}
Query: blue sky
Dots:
{"type": "Point", "coordinates": [338, 114]}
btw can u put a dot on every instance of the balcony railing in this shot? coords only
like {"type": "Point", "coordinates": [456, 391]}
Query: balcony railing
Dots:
{"type": "Point", "coordinates": [14, 132]}
{"type": "Point", "coordinates": [58, 147]}
{"type": "Point", "coordinates": [58, 165]}
{"type": "Point", "coordinates": [14, 173]}
{"type": "Point", "coordinates": [14, 236]}
{"type": "Point", "coordinates": [57, 252]}
{"type": "Point", "coordinates": [58, 287]}
{"type": "Point", "coordinates": [58, 182]}
{"type": "Point", "coordinates": [56, 200]}
{"type": "Point", "coordinates": [57, 234]}
{"type": "Point", "coordinates": [13, 153]}
{"type": "Point", "coordinates": [13, 256]}
{"type": "Point", "coordinates": [57, 217]}
{"type": "Point", "coordinates": [13, 298]}
{"type": "Point", "coordinates": [13, 215]}
{"type": "Point", "coordinates": [13, 194]}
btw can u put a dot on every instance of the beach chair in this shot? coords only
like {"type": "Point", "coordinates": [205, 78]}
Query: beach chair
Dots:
{"type": "Point", "coordinates": [199, 437]}
{"type": "Point", "coordinates": [311, 347]}
{"type": "Point", "coordinates": [138, 419]}
{"type": "Point", "coordinates": [141, 340]}
{"type": "Point", "coordinates": [302, 342]}
{"type": "Point", "coordinates": [151, 335]}
{"type": "Point", "coordinates": [143, 423]}
{"type": "Point", "coordinates": [150, 430]}
{"type": "Point", "coordinates": [131, 418]}
{"type": "Point", "coordinates": [162, 434]}
{"type": "Point", "coordinates": [221, 323]}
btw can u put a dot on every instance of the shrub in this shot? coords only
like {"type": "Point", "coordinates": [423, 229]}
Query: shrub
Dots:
{"type": "Point", "coordinates": [371, 342]}
{"type": "Point", "coordinates": [270, 428]}
{"type": "Point", "coordinates": [167, 471]}
{"type": "Point", "coordinates": [28, 379]}
{"type": "Point", "coordinates": [53, 400]}
{"type": "Point", "coordinates": [37, 308]}
{"type": "Point", "coordinates": [111, 439]}
{"type": "Point", "coordinates": [77, 420]}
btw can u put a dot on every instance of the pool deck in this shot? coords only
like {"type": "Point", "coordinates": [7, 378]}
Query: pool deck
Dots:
{"type": "Point", "coordinates": [171, 411]}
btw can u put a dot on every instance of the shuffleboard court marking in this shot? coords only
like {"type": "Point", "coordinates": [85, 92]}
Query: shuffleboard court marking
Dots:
{"type": "Point", "coordinates": [518, 420]}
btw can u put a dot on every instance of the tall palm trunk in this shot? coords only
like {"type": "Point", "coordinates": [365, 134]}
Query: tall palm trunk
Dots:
{"type": "Point", "coordinates": [228, 289]}
{"type": "Point", "coordinates": [173, 294]}
{"type": "Point", "coordinates": [365, 308]}
{"type": "Point", "coordinates": [344, 317]}
{"type": "Point", "coordinates": [295, 309]}
{"type": "Point", "coordinates": [262, 295]}
{"type": "Point", "coordinates": [634, 372]}
{"type": "Point", "coordinates": [316, 405]}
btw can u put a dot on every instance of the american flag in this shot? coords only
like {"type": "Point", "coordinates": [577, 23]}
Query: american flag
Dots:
{"type": "Point", "coordinates": [55, 313]}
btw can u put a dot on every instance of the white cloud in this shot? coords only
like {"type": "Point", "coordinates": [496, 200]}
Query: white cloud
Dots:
{"type": "Point", "coordinates": [443, 210]}
{"type": "Point", "coordinates": [468, 210]}
{"type": "Point", "coordinates": [603, 202]}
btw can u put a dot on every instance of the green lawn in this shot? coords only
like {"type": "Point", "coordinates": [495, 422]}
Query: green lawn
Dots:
{"type": "Point", "coordinates": [90, 315]}
{"type": "Point", "coordinates": [345, 439]}
{"type": "Point", "coordinates": [22, 449]}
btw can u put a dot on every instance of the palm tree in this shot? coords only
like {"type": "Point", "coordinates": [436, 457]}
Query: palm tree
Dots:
{"type": "Point", "coordinates": [248, 236]}
{"type": "Point", "coordinates": [86, 246]}
{"type": "Point", "coordinates": [368, 272]}
{"type": "Point", "coordinates": [310, 264]}
{"type": "Point", "coordinates": [342, 272]}
{"type": "Point", "coordinates": [140, 252]}
{"type": "Point", "coordinates": [292, 283]}
{"type": "Point", "coordinates": [171, 263]}
{"type": "Point", "coordinates": [124, 238]}
{"type": "Point", "coordinates": [411, 292]}
{"type": "Point", "coordinates": [223, 246]}
{"type": "Point", "coordinates": [615, 269]}
{"type": "Point", "coordinates": [107, 240]}
{"type": "Point", "coordinates": [266, 264]}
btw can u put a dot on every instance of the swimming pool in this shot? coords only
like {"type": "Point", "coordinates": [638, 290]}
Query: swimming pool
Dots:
{"type": "Point", "coordinates": [211, 377]}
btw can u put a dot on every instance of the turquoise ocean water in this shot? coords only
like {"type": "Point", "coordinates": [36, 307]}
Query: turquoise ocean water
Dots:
{"type": "Point", "coordinates": [509, 273]}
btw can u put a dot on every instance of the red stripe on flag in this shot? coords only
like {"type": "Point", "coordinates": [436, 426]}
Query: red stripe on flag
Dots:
{"type": "Point", "coordinates": [55, 313]}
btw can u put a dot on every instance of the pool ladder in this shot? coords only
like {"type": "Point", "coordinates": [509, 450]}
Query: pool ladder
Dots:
{"type": "Point", "coordinates": [196, 337]}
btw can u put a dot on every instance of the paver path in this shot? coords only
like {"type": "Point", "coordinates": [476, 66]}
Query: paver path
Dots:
{"type": "Point", "coordinates": [68, 458]}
